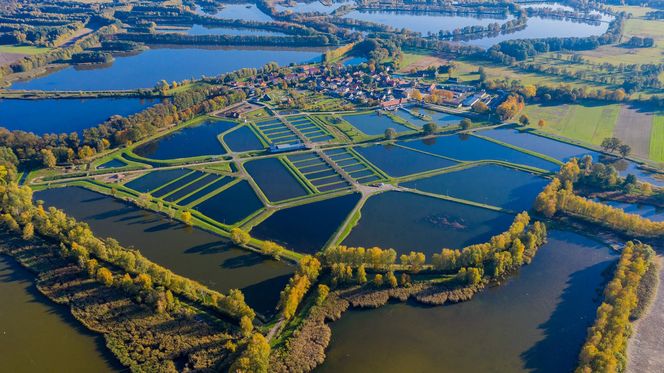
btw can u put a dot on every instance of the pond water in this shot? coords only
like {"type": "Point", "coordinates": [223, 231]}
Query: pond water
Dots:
{"type": "Point", "coordinates": [564, 151]}
{"type": "Point", "coordinates": [471, 148]}
{"type": "Point", "coordinates": [155, 179]}
{"type": "Point", "coordinates": [398, 161]}
{"type": "Point", "coordinates": [306, 228]}
{"type": "Point", "coordinates": [535, 322]}
{"type": "Point", "coordinates": [442, 119]}
{"type": "Point", "coordinates": [38, 335]}
{"type": "Point", "coordinates": [538, 27]}
{"type": "Point", "coordinates": [65, 115]}
{"type": "Point", "coordinates": [244, 11]}
{"type": "Point", "coordinates": [113, 163]}
{"type": "Point", "coordinates": [231, 205]}
{"type": "Point", "coordinates": [422, 22]}
{"type": "Point", "coordinates": [407, 221]}
{"type": "Point", "coordinates": [242, 139]}
{"type": "Point", "coordinates": [489, 184]}
{"type": "Point", "coordinates": [274, 179]}
{"type": "Point", "coordinates": [354, 61]}
{"type": "Point", "coordinates": [192, 141]}
{"type": "Point", "coordinates": [312, 6]}
{"type": "Point", "coordinates": [205, 30]}
{"type": "Point", "coordinates": [145, 69]}
{"type": "Point", "coordinates": [374, 124]}
{"type": "Point", "coordinates": [190, 252]}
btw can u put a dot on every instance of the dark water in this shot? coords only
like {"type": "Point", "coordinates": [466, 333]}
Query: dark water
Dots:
{"type": "Point", "coordinates": [308, 227]}
{"type": "Point", "coordinates": [231, 205]}
{"type": "Point", "coordinates": [490, 184]}
{"type": "Point", "coordinates": [177, 184]}
{"type": "Point", "coordinates": [203, 30]}
{"type": "Point", "coordinates": [535, 322]}
{"type": "Point", "coordinates": [471, 148]}
{"type": "Point", "coordinates": [564, 151]}
{"type": "Point", "coordinates": [65, 115]}
{"type": "Point", "coordinates": [189, 189]}
{"type": "Point", "coordinates": [242, 140]}
{"type": "Point", "coordinates": [37, 335]}
{"type": "Point", "coordinates": [274, 179]}
{"type": "Point", "coordinates": [113, 163]}
{"type": "Point", "coordinates": [398, 161]}
{"type": "Point", "coordinates": [374, 124]}
{"type": "Point", "coordinates": [156, 179]}
{"type": "Point", "coordinates": [192, 141]}
{"type": "Point", "coordinates": [147, 68]}
{"type": "Point", "coordinates": [190, 252]}
{"type": "Point", "coordinates": [407, 221]}
{"type": "Point", "coordinates": [207, 190]}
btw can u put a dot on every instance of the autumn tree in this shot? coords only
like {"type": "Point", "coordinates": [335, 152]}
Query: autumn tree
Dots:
{"type": "Point", "coordinates": [105, 276]}
{"type": "Point", "coordinates": [541, 123]}
{"type": "Point", "coordinates": [254, 358]}
{"type": "Point", "coordinates": [430, 128]}
{"type": "Point", "coordinates": [187, 218]}
{"type": "Point", "coordinates": [48, 159]}
{"type": "Point", "coordinates": [240, 237]}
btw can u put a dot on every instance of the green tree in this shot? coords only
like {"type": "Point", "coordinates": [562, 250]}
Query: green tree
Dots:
{"type": "Point", "coordinates": [390, 133]}
{"type": "Point", "coordinates": [430, 128]}
{"type": "Point", "coordinates": [524, 120]}
{"type": "Point", "coordinates": [255, 357]}
{"type": "Point", "coordinates": [624, 150]}
{"type": "Point", "coordinates": [465, 124]}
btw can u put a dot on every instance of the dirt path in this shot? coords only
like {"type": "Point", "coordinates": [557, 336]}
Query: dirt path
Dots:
{"type": "Point", "coordinates": [645, 347]}
{"type": "Point", "coordinates": [7, 58]}
{"type": "Point", "coordinates": [634, 129]}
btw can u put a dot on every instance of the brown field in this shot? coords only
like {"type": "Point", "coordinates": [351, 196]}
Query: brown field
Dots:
{"type": "Point", "coordinates": [423, 63]}
{"type": "Point", "coordinates": [634, 128]}
{"type": "Point", "coordinates": [7, 58]}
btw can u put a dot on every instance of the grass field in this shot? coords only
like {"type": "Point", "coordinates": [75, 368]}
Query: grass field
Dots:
{"type": "Point", "coordinates": [23, 49]}
{"type": "Point", "coordinates": [590, 124]}
{"type": "Point", "coordinates": [657, 139]}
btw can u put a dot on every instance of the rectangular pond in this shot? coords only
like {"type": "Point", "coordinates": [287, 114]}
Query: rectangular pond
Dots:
{"type": "Point", "coordinates": [374, 124]}
{"type": "Point", "coordinates": [231, 205]}
{"type": "Point", "coordinates": [156, 179]}
{"type": "Point", "coordinates": [65, 115]}
{"type": "Point", "coordinates": [242, 139]}
{"type": "Point", "coordinates": [471, 148]}
{"type": "Point", "coordinates": [488, 184]}
{"type": "Point", "coordinates": [407, 221]}
{"type": "Point", "coordinates": [306, 228]}
{"type": "Point", "coordinates": [397, 161]}
{"type": "Point", "coordinates": [205, 191]}
{"type": "Point", "coordinates": [191, 252]}
{"type": "Point", "coordinates": [277, 182]}
{"type": "Point", "coordinates": [420, 116]}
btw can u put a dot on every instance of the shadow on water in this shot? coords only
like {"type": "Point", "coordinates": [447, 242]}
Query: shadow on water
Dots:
{"type": "Point", "coordinates": [566, 329]}
{"type": "Point", "coordinates": [209, 248]}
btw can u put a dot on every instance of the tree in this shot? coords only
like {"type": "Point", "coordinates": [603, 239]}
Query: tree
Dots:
{"type": "Point", "coordinates": [48, 159]}
{"type": "Point", "coordinates": [240, 237]}
{"type": "Point", "coordinates": [541, 123]}
{"type": "Point", "coordinates": [416, 95]}
{"type": "Point", "coordinates": [246, 326]}
{"type": "Point", "coordinates": [105, 276]}
{"type": "Point", "coordinates": [524, 120]}
{"type": "Point", "coordinates": [624, 150]}
{"type": "Point", "coordinates": [465, 124]}
{"type": "Point", "coordinates": [390, 133]}
{"type": "Point", "coordinates": [361, 274]}
{"type": "Point", "coordinates": [28, 231]}
{"type": "Point", "coordinates": [378, 280]}
{"type": "Point", "coordinates": [187, 218]}
{"type": "Point", "coordinates": [430, 128]}
{"type": "Point", "coordinates": [391, 279]}
{"type": "Point", "coordinates": [610, 144]}
{"type": "Point", "coordinates": [480, 107]}
{"type": "Point", "coordinates": [323, 291]}
{"type": "Point", "coordinates": [272, 249]}
{"type": "Point", "coordinates": [255, 358]}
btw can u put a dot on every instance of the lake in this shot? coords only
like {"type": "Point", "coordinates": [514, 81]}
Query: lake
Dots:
{"type": "Point", "coordinates": [37, 335]}
{"type": "Point", "coordinates": [145, 69]}
{"type": "Point", "coordinates": [65, 115]}
{"type": "Point", "coordinates": [534, 322]}
{"type": "Point", "coordinates": [209, 30]}
{"type": "Point", "coordinates": [191, 252]}
{"type": "Point", "coordinates": [244, 11]}
{"type": "Point", "coordinates": [312, 6]}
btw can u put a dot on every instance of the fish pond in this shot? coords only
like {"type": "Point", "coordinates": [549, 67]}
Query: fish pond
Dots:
{"type": "Point", "coordinates": [65, 115]}
{"type": "Point", "coordinates": [514, 327]}
{"type": "Point", "coordinates": [420, 116]}
{"type": "Point", "coordinates": [471, 148]}
{"type": "Point", "coordinates": [408, 221]}
{"type": "Point", "coordinates": [373, 123]}
{"type": "Point", "coordinates": [190, 252]}
{"type": "Point", "coordinates": [39, 335]}
{"type": "Point", "coordinates": [306, 228]}
{"type": "Point", "coordinates": [145, 69]}
{"type": "Point", "coordinates": [398, 161]}
{"type": "Point", "coordinates": [275, 180]}
{"type": "Point", "coordinates": [242, 139]}
{"type": "Point", "coordinates": [231, 205]}
{"type": "Point", "coordinates": [488, 184]}
{"type": "Point", "coordinates": [192, 141]}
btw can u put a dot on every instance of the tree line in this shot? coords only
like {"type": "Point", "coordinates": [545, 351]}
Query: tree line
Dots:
{"type": "Point", "coordinates": [559, 196]}
{"type": "Point", "coordinates": [605, 349]}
